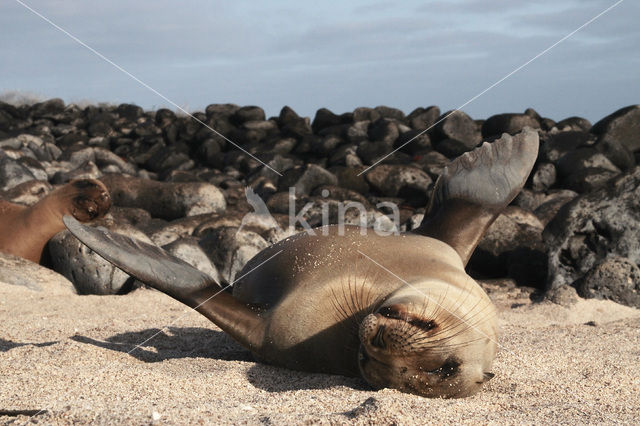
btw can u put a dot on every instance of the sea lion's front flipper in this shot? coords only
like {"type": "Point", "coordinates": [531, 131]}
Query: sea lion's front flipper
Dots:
{"type": "Point", "coordinates": [473, 190]}
{"type": "Point", "coordinates": [162, 271]}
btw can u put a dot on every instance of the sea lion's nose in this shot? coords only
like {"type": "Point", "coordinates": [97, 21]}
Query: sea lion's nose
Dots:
{"type": "Point", "coordinates": [378, 339]}
{"type": "Point", "coordinates": [368, 327]}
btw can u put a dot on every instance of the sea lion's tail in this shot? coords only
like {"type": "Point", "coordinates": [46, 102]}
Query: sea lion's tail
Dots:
{"type": "Point", "coordinates": [473, 190]}
{"type": "Point", "coordinates": [162, 271]}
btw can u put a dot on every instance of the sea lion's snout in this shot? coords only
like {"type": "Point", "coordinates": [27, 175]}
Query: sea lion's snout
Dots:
{"type": "Point", "coordinates": [414, 349]}
{"type": "Point", "coordinates": [91, 201]}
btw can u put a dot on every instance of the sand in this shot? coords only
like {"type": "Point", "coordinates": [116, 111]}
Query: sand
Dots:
{"type": "Point", "coordinates": [73, 359]}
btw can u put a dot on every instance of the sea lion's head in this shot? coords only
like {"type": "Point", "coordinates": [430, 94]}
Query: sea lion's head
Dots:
{"type": "Point", "coordinates": [85, 199]}
{"type": "Point", "coordinates": [430, 339]}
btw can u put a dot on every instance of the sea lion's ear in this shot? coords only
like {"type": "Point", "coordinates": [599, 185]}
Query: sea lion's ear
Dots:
{"type": "Point", "coordinates": [486, 376]}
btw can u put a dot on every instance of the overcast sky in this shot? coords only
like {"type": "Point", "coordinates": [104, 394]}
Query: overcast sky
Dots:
{"type": "Point", "coordinates": [335, 54]}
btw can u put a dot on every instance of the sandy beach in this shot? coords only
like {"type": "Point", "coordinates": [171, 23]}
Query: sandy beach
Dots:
{"type": "Point", "coordinates": [74, 359]}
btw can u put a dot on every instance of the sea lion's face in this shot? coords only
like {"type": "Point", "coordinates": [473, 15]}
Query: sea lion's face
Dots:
{"type": "Point", "coordinates": [89, 199]}
{"type": "Point", "coordinates": [419, 346]}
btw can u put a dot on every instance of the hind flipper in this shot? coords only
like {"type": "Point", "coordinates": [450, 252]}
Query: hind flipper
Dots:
{"type": "Point", "coordinates": [473, 190]}
{"type": "Point", "coordinates": [162, 271]}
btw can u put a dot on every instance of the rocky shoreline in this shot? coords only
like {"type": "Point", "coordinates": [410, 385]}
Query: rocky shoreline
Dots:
{"type": "Point", "coordinates": [180, 185]}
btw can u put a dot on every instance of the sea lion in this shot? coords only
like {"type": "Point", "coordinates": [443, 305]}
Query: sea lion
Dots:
{"type": "Point", "coordinates": [24, 231]}
{"type": "Point", "coordinates": [398, 310]}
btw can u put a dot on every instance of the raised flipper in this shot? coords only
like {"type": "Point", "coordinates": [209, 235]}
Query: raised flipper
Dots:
{"type": "Point", "coordinates": [162, 271]}
{"type": "Point", "coordinates": [473, 190]}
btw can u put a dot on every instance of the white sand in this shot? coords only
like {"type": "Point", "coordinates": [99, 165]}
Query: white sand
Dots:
{"type": "Point", "coordinates": [552, 369]}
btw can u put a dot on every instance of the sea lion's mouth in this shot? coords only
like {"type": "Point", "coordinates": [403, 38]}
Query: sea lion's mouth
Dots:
{"type": "Point", "coordinates": [365, 357]}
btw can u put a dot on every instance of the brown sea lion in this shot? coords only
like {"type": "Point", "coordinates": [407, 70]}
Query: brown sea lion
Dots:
{"type": "Point", "coordinates": [24, 231]}
{"type": "Point", "coordinates": [398, 310]}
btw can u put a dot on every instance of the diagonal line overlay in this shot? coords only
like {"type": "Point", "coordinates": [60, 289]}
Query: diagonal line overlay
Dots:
{"type": "Point", "coordinates": [104, 58]}
{"type": "Point", "coordinates": [493, 85]}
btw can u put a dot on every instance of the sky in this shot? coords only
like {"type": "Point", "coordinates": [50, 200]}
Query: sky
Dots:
{"type": "Point", "coordinates": [333, 54]}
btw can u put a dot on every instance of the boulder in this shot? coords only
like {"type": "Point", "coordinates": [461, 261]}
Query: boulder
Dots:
{"type": "Point", "coordinates": [593, 227]}
{"type": "Point", "coordinates": [623, 126]}
{"type": "Point", "coordinates": [614, 278]}
{"type": "Point", "coordinates": [508, 123]}
{"type": "Point", "coordinates": [306, 178]}
{"type": "Point", "coordinates": [458, 126]}
{"type": "Point", "coordinates": [512, 246]}
{"type": "Point", "coordinates": [165, 200]}
{"type": "Point", "coordinates": [409, 183]}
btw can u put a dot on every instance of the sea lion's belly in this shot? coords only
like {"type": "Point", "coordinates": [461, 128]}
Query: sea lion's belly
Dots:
{"type": "Point", "coordinates": [303, 261]}
{"type": "Point", "coordinates": [316, 289]}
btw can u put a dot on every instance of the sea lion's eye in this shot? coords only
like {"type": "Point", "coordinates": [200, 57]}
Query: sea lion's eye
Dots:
{"type": "Point", "coordinates": [389, 313]}
{"type": "Point", "coordinates": [425, 325]}
{"type": "Point", "coordinates": [448, 369]}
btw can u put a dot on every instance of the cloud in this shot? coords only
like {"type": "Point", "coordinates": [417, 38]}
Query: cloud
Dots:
{"type": "Point", "coordinates": [330, 54]}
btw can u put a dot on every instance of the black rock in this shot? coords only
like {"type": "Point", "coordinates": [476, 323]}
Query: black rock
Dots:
{"type": "Point", "coordinates": [593, 227]}
{"type": "Point", "coordinates": [163, 161]}
{"type": "Point", "coordinates": [100, 124]}
{"type": "Point", "coordinates": [384, 130]}
{"type": "Point", "coordinates": [247, 113]}
{"type": "Point", "coordinates": [71, 139]}
{"type": "Point", "coordinates": [78, 154]}
{"type": "Point", "coordinates": [452, 148]}
{"type": "Point", "coordinates": [291, 124]}
{"type": "Point", "coordinates": [129, 111]}
{"type": "Point", "coordinates": [623, 126]}
{"type": "Point", "coordinates": [323, 119]}
{"type": "Point", "coordinates": [346, 155]}
{"type": "Point", "coordinates": [325, 145]}
{"type": "Point", "coordinates": [512, 246]}
{"type": "Point", "coordinates": [552, 203]}
{"type": "Point", "coordinates": [48, 108]}
{"type": "Point", "coordinates": [90, 273]}
{"type": "Point", "coordinates": [164, 117]}
{"type": "Point", "coordinates": [508, 123]}
{"type": "Point", "coordinates": [588, 179]}
{"type": "Point", "coordinates": [230, 248]}
{"type": "Point", "coordinates": [305, 179]}
{"type": "Point", "coordinates": [388, 112]}
{"type": "Point", "coordinates": [12, 173]}
{"type": "Point", "coordinates": [615, 151]}
{"type": "Point", "coordinates": [365, 114]}
{"type": "Point", "coordinates": [409, 183]}
{"type": "Point", "coordinates": [458, 126]}
{"type": "Point", "coordinates": [351, 179]}
{"type": "Point", "coordinates": [413, 141]}
{"type": "Point", "coordinates": [431, 162]}
{"type": "Point", "coordinates": [614, 278]}
{"type": "Point", "coordinates": [555, 145]}
{"type": "Point", "coordinates": [582, 158]}
{"type": "Point", "coordinates": [27, 193]}
{"type": "Point", "coordinates": [340, 194]}
{"type": "Point", "coordinates": [221, 110]}
{"type": "Point", "coordinates": [371, 152]}
{"type": "Point", "coordinates": [358, 132]}
{"type": "Point", "coordinates": [87, 170]}
{"type": "Point", "coordinates": [574, 123]}
{"type": "Point", "coordinates": [543, 177]}
{"type": "Point", "coordinates": [423, 118]}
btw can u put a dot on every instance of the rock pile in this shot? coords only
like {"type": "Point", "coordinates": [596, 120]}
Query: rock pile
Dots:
{"type": "Point", "coordinates": [182, 184]}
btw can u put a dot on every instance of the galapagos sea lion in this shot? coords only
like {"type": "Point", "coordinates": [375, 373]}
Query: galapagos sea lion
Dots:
{"type": "Point", "coordinates": [398, 310]}
{"type": "Point", "coordinates": [24, 231]}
